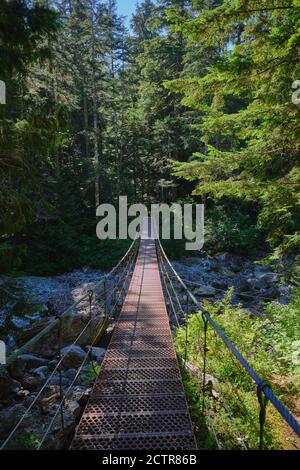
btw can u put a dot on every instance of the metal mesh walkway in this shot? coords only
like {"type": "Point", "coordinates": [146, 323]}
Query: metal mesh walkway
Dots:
{"type": "Point", "coordinates": [138, 401]}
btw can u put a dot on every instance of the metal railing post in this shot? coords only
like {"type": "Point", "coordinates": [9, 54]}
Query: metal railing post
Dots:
{"type": "Point", "coordinates": [61, 392]}
{"type": "Point", "coordinates": [205, 325]}
{"type": "Point", "coordinates": [186, 331]}
{"type": "Point", "coordinates": [91, 295]}
{"type": "Point", "coordinates": [263, 403]}
{"type": "Point", "coordinates": [105, 298]}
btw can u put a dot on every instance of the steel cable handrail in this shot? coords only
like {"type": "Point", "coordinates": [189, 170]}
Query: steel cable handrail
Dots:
{"type": "Point", "coordinates": [89, 295]}
{"type": "Point", "coordinates": [263, 387]}
{"type": "Point", "coordinates": [33, 403]}
{"type": "Point", "coordinates": [65, 395]}
{"type": "Point", "coordinates": [15, 354]}
{"type": "Point", "coordinates": [121, 291]}
{"type": "Point", "coordinates": [241, 439]}
{"type": "Point", "coordinates": [59, 407]}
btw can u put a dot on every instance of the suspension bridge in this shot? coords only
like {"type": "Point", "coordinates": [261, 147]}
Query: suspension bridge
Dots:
{"type": "Point", "coordinates": [138, 400]}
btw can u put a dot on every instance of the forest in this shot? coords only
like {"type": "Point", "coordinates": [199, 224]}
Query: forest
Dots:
{"type": "Point", "coordinates": [196, 102]}
{"type": "Point", "coordinates": [198, 93]}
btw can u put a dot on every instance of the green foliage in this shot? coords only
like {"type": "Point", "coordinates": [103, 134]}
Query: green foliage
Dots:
{"type": "Point", "coordinates": [249, 125]}
{"type": "Point", "coordinates": [281, 331]}
{"type": "Point", "coordinates": [270, 344]}
{"type": "Point", "coordinates": [175, 249]}
{"type": "Point", "coordinates": [23, 440]}
{"type": "Point", "coordinates": [22, 26]}
{"type": "Point", "coordinates": [25, 137]}
{"type": "Point", "coordinates": [90, 374]}
{"type": "Point", "coordinates": [204, 84]}
{"type": "Point", "coordinates": [228, 227]}
{"type": "Point", "coordinates": [231, 228]}
{"type": "Point", "coordinates": [11, 256]}
{"type": "Point", "coordinates": [58, 248]}
{"type": "Point", "coordinates": [204, 435]}
{"type": "Point", "coordinates": [91, 110]}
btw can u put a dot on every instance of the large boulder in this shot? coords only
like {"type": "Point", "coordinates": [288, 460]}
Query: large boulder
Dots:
{"type": "Point", "coordinates": [75, 355]}
{"type": "Point", "coordinates": [17, 368]}
{"type": "Point", "coordinates": [10, 416]}
{"type": "Point", "coordinates": [33, 361]}
{"type": "Point", "coordinates": [262, 281]}
{"type": "Point", "coordinates": [30, 382]}
{"type": "Point", "coordinates": [205, 291]}
{"type": "Point", "coordinates": [74, 407]}
{"type": "Point", "coordinates": [72, 327]}
{"type": "Point", "coordinates": [97, 354]}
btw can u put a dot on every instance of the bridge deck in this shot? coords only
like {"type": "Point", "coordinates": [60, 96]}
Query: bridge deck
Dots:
{"type": "Point", "coordinates": [138, 401]}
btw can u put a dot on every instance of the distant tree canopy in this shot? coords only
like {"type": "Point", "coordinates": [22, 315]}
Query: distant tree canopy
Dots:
{"type": "Point", "coordinates": [198, 94]}
{"type": "Point", "coordinates": [250, 126]}
{"type": "Point", "coordinates": [22, 27]}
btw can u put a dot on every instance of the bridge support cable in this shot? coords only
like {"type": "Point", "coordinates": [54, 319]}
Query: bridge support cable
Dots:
{"type": "Point", "coordinates": [185, 311]}
{"type": "Point", "coordinates": [95, 300]}
{"type": "Point", "coordinates": [138, 401]}
{"type": "Point", "coordinates": [264, 391]}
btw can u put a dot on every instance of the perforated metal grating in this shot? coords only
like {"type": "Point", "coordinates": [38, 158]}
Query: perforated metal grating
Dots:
{"type": "Point", "coordinates": [138, 400]}
{"type": "Point", "coordinates": [137, 404]}
{"type": "Point", "coordinates": [139, 374]}
{"type": "Point", "coordinates": [107, 424]}
{"type": "Point", "coordinates": [139, 363]}
{"type": "Point", "coordinates": [138, 387]}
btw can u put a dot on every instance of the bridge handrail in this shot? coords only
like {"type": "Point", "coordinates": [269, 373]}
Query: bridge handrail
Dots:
{"type": "Point", "coordinates": [54, 323]}
{"type": "Point", "coordinates": [263, 387]}
{"type": "Point", "coordinates": [103, 323]}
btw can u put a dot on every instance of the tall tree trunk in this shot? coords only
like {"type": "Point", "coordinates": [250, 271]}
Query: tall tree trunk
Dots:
{"type": "Point", "coordinates": [96, 146]}
{"type": "Point", "coordinates": [86, 122]}
{"type": "Point", "coordinates": [121, 140]}
{"type": "Point", "coordinates": [95, 111]}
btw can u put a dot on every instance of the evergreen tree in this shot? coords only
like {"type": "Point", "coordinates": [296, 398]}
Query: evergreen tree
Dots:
{"type": "Point", "coordinates": [249, 128]}
{"type": "Point", "coordinates": [25, 32]}
{"type": "Point", "coordinates": [94, 112]}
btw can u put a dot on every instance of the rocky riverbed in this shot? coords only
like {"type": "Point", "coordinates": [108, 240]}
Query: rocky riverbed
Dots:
{"type": "Point", "coordinates": [253, 283]}
{"type": "Point", "coordinates": [30, 301]}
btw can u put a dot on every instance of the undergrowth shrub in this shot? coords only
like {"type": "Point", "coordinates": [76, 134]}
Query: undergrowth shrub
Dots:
{"type": "Point", "coordinates": [231, 229]}
{"type": "Point", "coordinates": [271, 346]}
